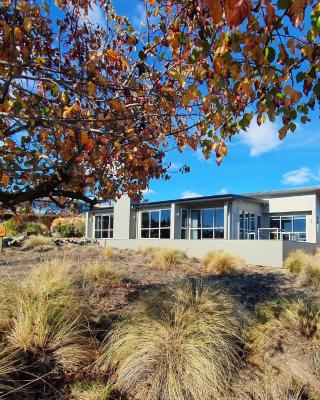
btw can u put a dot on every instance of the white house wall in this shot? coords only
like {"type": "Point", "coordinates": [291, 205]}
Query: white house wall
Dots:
{"type": "Point", "coordinates": [303, 204]}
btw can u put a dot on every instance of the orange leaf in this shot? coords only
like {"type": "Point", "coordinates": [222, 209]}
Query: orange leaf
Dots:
{"type": "Point", "coordinates": [5, 180]}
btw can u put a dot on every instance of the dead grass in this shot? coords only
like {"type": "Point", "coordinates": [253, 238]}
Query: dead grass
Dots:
{"type": "Point", "coordinates": [38, 242]}
{"type": "Point", "coordinates": [8, 366]}
{"type": "Point", "coordinates": [222, 263]}
{"type": "Point", "coordinates": [190, 350]}
{"type": "Point", "coordinates": [267, 386]}
{"type": "Point", "coordinates": [45, 328]}
{"type": "Point", "coordinates": [100, 272]}
{"type": "Point", "coordinates": [296, 261]}
{"type": "Point", "coordinates": [311, 271]}
{"type": "Point", "coordinates": [148, 251]}
{"type": "Point", "coordinates": [109, 252]}
{"type": "Point", "coordinates": [90, 391]}
{"type": "Point", "coordinates": [167, 258]}
{"type": "Point", "coordinates": [299, 316]}
{"type": "Point", "coordinates": [305, 265]}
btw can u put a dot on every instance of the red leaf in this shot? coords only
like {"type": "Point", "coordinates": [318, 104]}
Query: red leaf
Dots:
{"type": "Point", "coordinates": [236, 11]}
{"type": "Point", "coordinates": [270, 14]}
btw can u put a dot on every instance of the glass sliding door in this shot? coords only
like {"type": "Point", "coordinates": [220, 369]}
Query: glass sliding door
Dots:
{"type": "Point", "coordinates": [207, 223]}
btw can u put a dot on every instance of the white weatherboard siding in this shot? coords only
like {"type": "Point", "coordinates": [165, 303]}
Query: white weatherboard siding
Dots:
{"type": "Point", "coordinates": [124, 219]}
{"type": "Point", "coordinates": [304, 204]}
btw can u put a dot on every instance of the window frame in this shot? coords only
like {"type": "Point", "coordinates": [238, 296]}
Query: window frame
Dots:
{"type": "Point", "coordinates": [184, 229]}
{"type": "Point", "coordinates": [108, 230]}
{"type": "Point", "coordinates": [199, 229]}
{"type": "Point", "coordinates": [292, 217]}
{"type": "Point", "coordinates": [151, 230]}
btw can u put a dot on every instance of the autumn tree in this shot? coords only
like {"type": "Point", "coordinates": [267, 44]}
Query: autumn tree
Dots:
{"type": "Point", "coordinates": [90, 111]}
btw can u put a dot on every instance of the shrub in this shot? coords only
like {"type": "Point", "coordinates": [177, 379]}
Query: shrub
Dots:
{"type": "Point", "coordinates": [38, 242]}
{"type": "Point", "coordinates": [221, 263]}
{"type": "Point", "coordinates": [190, 350]}
{"type": "Point", "coordinates": [96, 271]}
{"type": "Point", "coordinates": [296, 261]}
{"type": "Point", "coordinates": [35, 228]}
{"type": "Point", "coordinates": [68, 227]}
{"type": "Point", "coordinates": [10, 227]}
{"type": "Point", "coordinates": [167, 258]}
{"type": "Point", "coordinates": [90, 391]}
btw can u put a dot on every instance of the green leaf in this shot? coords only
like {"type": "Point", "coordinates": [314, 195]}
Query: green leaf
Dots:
{"type": "Point", "coordinates": [316, 89]}
{"type": "Point", "coordinates": [283, 4]}
{"type": "Point", "coordinates": [300, 76]}
{"type": "Point", "coordinates": [270, 53]}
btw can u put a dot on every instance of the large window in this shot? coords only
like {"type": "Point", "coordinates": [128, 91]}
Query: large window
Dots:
{"type": "Point", "coordinates": [288, 227]}
{"type": "Point", "coordinates": [103, 226]}
{"type": "Point", "coordinates": [155, 224]}
{"type": "Point", "coordinates": [207, 223]}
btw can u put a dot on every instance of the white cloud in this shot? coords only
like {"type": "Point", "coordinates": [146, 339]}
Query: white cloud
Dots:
{"type": "Point", "coordinates": [174, 166]}
{"type": "Point", "coordinates": [300, 176]}
{"type": "Point", "coordinates": [223, 191]}
{"type": "Point", "coordinates": [145, 192]}
{"type": "Point", "coordinates": [189, 193]}
{"type": "Point", "coordinates": [96, 15]}
{"type": "Point", "coordinates": [261, 139]}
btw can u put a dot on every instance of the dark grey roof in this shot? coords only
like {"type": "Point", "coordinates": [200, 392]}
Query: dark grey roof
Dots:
{"type": "Point", "coordinates": [286, 192]}
{"type": "Point", "coordinates": [221, 197]}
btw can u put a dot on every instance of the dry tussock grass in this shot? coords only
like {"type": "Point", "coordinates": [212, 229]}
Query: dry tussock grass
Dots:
{"type": "Point", "coordinates": [189, 350]}
{"type": "Point", "coordinates": [305, 265]}
{"type": "Point", "coordinates": [267, 386]}
{"type": "Point", "coordinates": [38, 242]}
{"type": "Point", "coordinates": [99, 272]}
{"type": "Point", "coordinates": [90, 391]}
{"type": "Point", "coordinates": [148, 251]}
{"type": "Point", "coordinates": [167, 258]}
{"type": "Point", "coordinates": [45, 323]}
{"type": "Point", "coordinates": [299, 316]}
{"type": "Point", "coordinates": [311, 271]}
{"type": "Point", "coordinates": [110, 251]}
{"type": "Point", "coordinates": [296, 261]}
{"type": "Point", "coordinates": [221, 262]}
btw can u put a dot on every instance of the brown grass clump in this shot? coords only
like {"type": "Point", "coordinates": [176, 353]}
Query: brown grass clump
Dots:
{"type": "Point", "coordinates": [299, 316]}
{"type": "Point", "coordinates": [189, 350]}
{"type": "Point", "coordinates": [267, 386]}
{"type": "Point", "coordinates": [38, 242]}
{"type": "Point", "coordinates": [45, 328]}
{"type": "Point", "coordinates": [296, 261]}
{"type": "Point", "coordinates": [148, 251]}
{"type": "Point", "coordinates": [109, 252]}
{"type": "Point", "coordinates": [99, 272]}
{"type": "Point", "coordinates": [311, 271]}
{"type": "Point", "coordinates": [167, 258]}
{"type": "Point", "coordinates": [221, 262]}
{"type": "Point", "coordinates": [90, 391]}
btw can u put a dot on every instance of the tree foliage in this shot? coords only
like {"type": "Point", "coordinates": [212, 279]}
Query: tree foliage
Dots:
{"type": "Point", "coordinates": [90, 111]}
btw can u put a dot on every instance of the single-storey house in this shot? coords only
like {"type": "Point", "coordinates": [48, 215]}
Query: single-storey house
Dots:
{"type": "Point", "coordinates": [262, 227]}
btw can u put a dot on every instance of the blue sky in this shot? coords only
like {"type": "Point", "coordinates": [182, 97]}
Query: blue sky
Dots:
{"type": "Point", "coordinates": [257, 159]}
